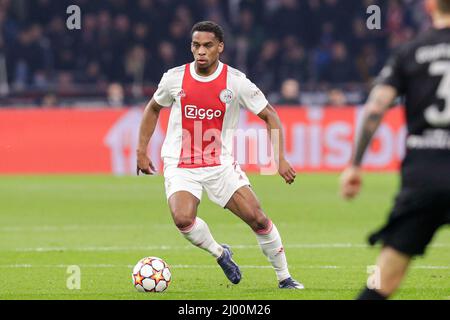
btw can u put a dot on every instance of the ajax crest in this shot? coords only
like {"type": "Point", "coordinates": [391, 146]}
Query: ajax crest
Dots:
{"type": "Point", "coordinates": [226, 95]}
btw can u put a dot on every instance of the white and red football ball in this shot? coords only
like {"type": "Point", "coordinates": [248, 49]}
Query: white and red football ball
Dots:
{"type": "Point", "coordinates": [151, 274]}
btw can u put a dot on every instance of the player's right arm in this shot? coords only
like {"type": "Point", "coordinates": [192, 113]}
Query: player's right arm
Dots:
{"type": "Point", "coordinates": [380, 100]}
{"type": "Point", "coordinates": [147, 127]}
{"type": "Point", "coordinates": [162, 98]}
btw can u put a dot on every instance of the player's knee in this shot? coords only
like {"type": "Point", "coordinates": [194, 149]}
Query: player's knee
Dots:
{"type": "Point", "coordinates": [184, 224]}
{"type": "Point", "coordinates": [260, 221]}
{"type": "Point", "coordinates": [183, 221]}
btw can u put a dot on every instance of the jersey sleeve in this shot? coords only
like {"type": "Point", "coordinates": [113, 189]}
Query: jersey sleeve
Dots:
{"type": "Point", "coordinates": [251, 97]}
{"type": "Point", "coordinates": [392, 73]}
{"type": "Point", "coordinates": [162, 95]}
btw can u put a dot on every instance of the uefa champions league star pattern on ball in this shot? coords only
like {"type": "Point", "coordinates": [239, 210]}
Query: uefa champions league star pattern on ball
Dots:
{"type": "Point", "coordinates": [151, 274]}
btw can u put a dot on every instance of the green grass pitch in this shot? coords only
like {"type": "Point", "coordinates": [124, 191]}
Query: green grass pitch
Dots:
{"type": "Point", "coordinates": [106, 224]}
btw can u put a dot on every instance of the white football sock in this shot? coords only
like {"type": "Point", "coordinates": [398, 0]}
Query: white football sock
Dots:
{"type": "Point", "coordinates": [199, 235]}
{"type": "Point", "coordinates": [270, 242]}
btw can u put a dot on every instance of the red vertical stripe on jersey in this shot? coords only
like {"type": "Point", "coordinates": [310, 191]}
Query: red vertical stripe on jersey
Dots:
{"type": "Point", "coordinates": [202, 120]}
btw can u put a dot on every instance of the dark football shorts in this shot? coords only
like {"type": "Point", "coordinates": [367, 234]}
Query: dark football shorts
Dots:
{"type": "Point", "coordinates": [415, 218]}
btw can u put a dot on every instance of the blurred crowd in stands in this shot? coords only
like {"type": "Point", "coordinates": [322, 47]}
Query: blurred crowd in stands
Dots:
{"type": "Point", "coordinates": [296, 51]}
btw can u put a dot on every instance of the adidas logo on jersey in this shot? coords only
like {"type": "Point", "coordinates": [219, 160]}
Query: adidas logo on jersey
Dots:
{"type": "Point", "coordinates": [181, 94]}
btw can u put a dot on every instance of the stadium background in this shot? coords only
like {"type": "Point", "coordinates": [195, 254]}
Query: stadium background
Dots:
{"type": "Point", "coordinates": [70, 106]}
{"type": "Point", "coordinates": [315, 58]}
{"type": "Point", "coordinates": [123, 47]}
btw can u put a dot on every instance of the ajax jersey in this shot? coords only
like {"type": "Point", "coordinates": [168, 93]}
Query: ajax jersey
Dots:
{"type": "Point", "coordinates": [204, 114]}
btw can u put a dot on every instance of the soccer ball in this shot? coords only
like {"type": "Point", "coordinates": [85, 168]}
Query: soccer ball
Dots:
{"type": "Point", "coordinates": [151, 274]}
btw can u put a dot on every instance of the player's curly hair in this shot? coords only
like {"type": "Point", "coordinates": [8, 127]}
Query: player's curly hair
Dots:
{"type": "Point", "coordinates": [209, 26]}
{"type": "Point", "coordinates": [444, 6]}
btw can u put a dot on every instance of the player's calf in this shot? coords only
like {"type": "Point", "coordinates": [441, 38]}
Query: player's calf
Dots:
{"type": "Point", "coordinates": [393, 266]}
{"type": "Point", "coordinates": [270, 242]}
{"type": "Point", "coordinates": [199, 235]}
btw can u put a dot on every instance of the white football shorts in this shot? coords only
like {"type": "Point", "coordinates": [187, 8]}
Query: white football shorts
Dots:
{"type": "Point", "coordinates": [219, 182]}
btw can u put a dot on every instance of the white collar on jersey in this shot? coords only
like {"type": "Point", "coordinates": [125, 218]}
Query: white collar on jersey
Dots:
{"type": "Point", "coordinates": [208, 78]}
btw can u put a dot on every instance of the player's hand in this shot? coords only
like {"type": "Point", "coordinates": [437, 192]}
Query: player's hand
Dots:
{"type": "Point", "coordinates": [286, 171]}
{"type": "Point", "coordinates": [351, 182]}
{"type": "Point", "coordinates": [144, 164]}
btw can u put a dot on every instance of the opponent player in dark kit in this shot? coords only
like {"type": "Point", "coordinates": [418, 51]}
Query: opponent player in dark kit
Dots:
{"type": "Point", "coordinates": [420, 72]}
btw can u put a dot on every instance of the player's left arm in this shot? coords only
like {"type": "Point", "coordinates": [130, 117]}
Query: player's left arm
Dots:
{"type": "Point", "coordinates": [275, 131]}
{"type": "Point", "coordinates": [380, 100]}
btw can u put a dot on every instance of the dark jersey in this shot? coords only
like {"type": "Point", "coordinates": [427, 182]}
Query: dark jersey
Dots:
{"type": "Point", "coordinates": [420, 71]}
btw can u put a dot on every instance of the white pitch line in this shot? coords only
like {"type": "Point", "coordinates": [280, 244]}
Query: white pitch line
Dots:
{"type": "Point", "coordinates": [190, 247]}
{"type": "Point", "coordinates": [181, 266]}
{"type": "Point", "coordinates": [66, 228]}
{"type": "Point", "coordinates": [431, 267]}
{"type": "Point", "coordinates": [89, 227]}
{"type": "Point", "coordinates": [194, 266]}
{"type": "Point", "coordinates": [186, 247]}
